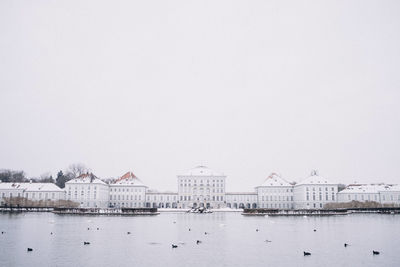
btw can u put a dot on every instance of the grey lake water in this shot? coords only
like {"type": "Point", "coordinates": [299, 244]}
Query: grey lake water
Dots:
{"type": "Point", "coordinates": [231, 240]}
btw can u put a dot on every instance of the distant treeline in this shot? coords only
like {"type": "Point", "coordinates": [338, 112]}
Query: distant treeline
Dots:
{"type": "Point", "coordinates": [73, 171]}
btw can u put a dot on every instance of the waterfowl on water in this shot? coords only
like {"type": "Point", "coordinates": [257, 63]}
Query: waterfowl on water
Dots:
{"type": "Point", "coordinates": [198, 242]}
{"type": "Point", "coordinates": [345, 245]}
{"type": "Point", "coordinates": [174, 246]}
{"type": "Point", "coordinates": [374, 252]}
{"type": "Point", "coordinates": [86, 243]}
{"type": "Point", "coordinates": [307, 253]}
{"type": "Point", "coordinates": [29, 249]}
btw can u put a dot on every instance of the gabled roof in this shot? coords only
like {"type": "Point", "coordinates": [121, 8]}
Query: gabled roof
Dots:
{"type": "Point", "coordinates": [86, 178]}
{"type": "Point", "coordinates": [275, 180]}
{"type": "Point", "coordinates": [129, 179]}
{"type": "Point", "coordinates": [42, 187]}
{"type": "Point", "coordinates": [201, 171]}
{"type": "Point", "coordinates": [11, 186]}
{"type": "Point", "coordinates": [369, 188]}
{"type": "Point", "coordinates": [315, 179]}
{"type": "Point", "coordinates": [31, 187]}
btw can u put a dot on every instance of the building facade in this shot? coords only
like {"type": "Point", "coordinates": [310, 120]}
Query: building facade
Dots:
{"type": "Point", "coordinates": [88, 191]}
{"type": "Point", "coordinates": [165, 199]}
{"type": "Point", "coordinates": [241, 200]}
{"type": "Point", "coordinates": [127, 192]}
{"type": "Point", "coordinates": [38, 192]}
{"type": "Point", "coordinates": [380, 193]}
{"type": "Point", "coordinates": [275, 193]}
{"type": "Point", "coordinates": [201, 187]}
{"type": "Point", "coordinates": [314, 192]}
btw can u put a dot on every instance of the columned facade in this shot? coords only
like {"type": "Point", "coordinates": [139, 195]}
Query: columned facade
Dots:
{"type": "Point", "coordinates": [201, 187]}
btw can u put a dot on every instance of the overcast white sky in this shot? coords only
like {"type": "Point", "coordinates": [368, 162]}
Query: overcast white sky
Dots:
{"type": "Point", "coordinates": [244, 87]}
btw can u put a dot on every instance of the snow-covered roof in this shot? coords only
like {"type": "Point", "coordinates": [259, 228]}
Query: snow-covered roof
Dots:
{"type": "Point", "coordinates": [362, 188]}
{"type": "Point", "coordinates": [11, 186]}
{"type": "Point", "coordinates": [31, 187]}
{"type": "Point", "coordinates": [42, 187]}
{"type": "Point", "coordinates": [275, 180]}
{"type": "Point", "coordinates": [128, 179]}
{"type": "Point", "coordinates": [86, 178]}
{"type": "Point", "coordinates": [392, 188]}
{"type": "Point", "coordinates": [315, 179]}
{"type": "Point", "coordinates": [201, 171]}
{"type": "Point", "coordinates": [370, 188]}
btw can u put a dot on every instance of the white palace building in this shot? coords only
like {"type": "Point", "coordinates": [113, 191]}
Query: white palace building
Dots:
{"type": "Point", "coordinates": [202, 187]}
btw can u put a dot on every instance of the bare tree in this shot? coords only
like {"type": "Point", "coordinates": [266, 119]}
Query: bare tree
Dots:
{"type": "Point", "coordinates": [12, 176]}
{"type": "Point", "coordinates": [76, 169]}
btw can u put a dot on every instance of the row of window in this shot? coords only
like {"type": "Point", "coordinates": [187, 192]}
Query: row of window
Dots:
{"type": "Point", "coordinates": [201, 190]}
{"type": "Point", "coordinates": [274, 190]}
{"type": "Point", "coordinates": [87, 187]}
{"type": "Point", "coordinates": [277, 198]}
{"type": "Point", "coordinates": [201, 181]}
{"type": "Point", "coordinates": [30, 195]}
{"type": "Point", "coordinates": [375, 198]}
{"type": "Point", "coordinates": [214, 198]}
{"type": "Point", "coordinates": [161, 198]}
{"type": "Point", "coordinates": [126, 190]}
{"type": "Point", "coordinates": [122, 197]}
{"type": "Point", "coordinates": [208, 185]}
{"type": "Point", "coordinates": [320, 189]}
{"type": "Point", "coordinates": [88, 197]}
{"type": "Point", "coordinates": [320, 196]}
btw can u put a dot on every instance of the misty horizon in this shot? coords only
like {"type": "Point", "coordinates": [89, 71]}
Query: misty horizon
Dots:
{"type": "Point", "coordinates": [159, 88]}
